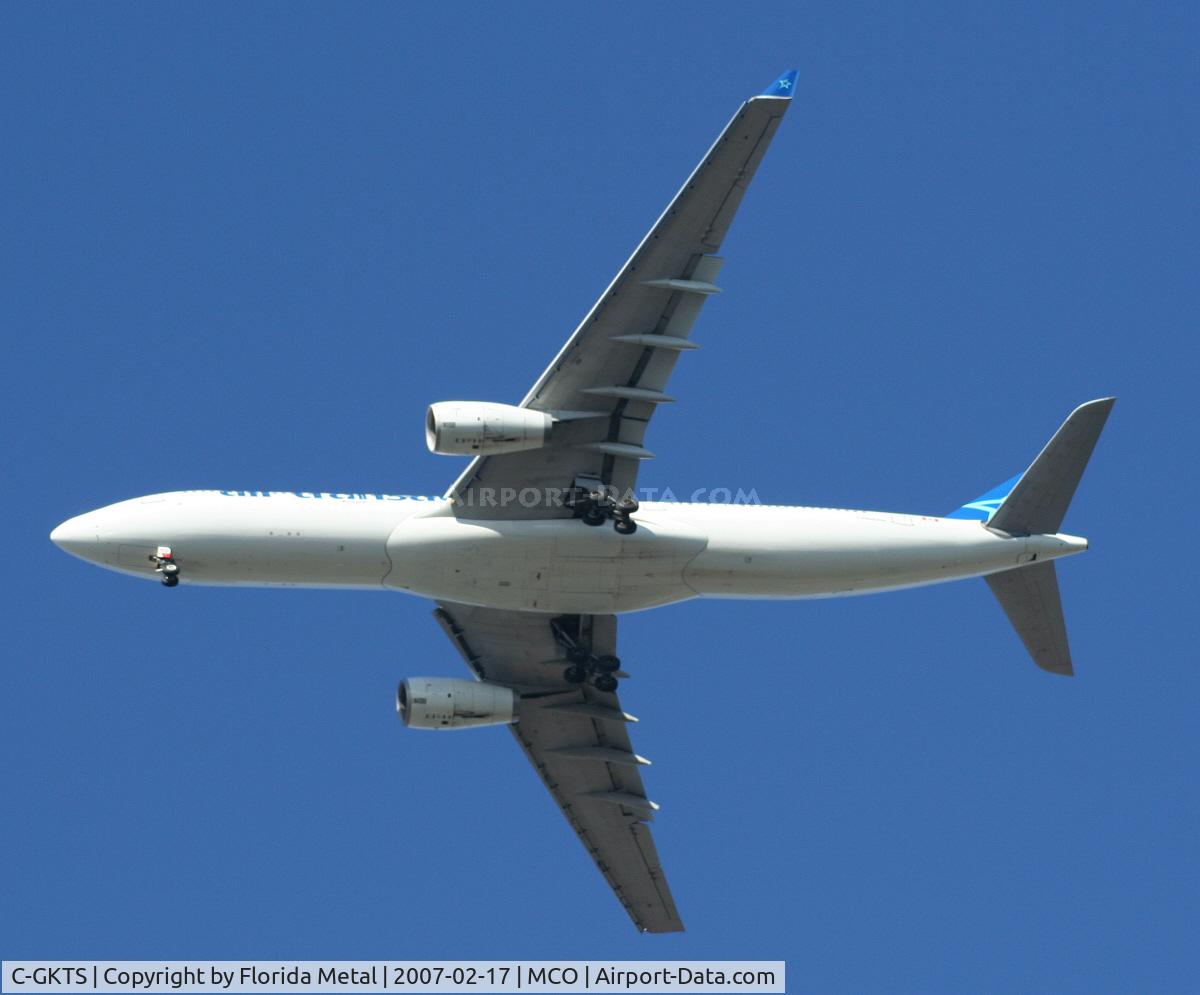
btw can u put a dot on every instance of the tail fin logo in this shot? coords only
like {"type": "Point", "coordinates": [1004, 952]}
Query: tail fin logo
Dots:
{"type": "Point", "coordinates": [989, 507]}
{"type": "Point", "coordinates": [986, 505]}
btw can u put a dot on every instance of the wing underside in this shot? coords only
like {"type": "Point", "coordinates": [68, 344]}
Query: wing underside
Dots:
{"type": "Point", "coordinates": [577, 739]}
{"type": "Point", "coordinates": [612, 373]}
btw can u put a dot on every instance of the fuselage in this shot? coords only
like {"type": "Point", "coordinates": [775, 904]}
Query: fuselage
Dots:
{"type": "Point", "coordinates": [419, 545]}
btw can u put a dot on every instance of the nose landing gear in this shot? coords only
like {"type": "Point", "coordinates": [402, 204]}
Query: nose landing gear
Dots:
{"type": "Point", "coordinates": [165, 565]}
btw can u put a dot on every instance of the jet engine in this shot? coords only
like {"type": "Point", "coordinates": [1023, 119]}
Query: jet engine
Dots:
{"type": "Point", "coordinates": [474, 428]}
{"type": "Point", "coordinates": [447, 703]}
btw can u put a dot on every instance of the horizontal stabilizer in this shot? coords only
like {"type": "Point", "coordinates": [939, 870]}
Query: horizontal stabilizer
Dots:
{"type": "Point", "coordinates": [1038, 502]}
{"type": "Point", "coordinates": [1030, 599]}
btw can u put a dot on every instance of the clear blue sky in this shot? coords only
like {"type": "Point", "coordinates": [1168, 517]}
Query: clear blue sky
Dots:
{"type": "Point", "coordinates": [245, 245]}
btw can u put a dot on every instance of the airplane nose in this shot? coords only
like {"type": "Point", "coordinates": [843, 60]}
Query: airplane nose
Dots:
{"type": "Point", "coordinates": [74, 536]}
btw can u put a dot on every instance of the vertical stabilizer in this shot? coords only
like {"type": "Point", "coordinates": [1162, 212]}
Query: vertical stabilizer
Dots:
{"type": "Point", "coordinates": [1029, 597]}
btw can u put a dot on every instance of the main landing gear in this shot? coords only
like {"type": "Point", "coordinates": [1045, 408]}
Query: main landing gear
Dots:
{"type": "Point", "coordinates": [164, 564]}
{"type": "Point", "coordinates": [598, 508]}
{"type": "Point", "coordinates": [584, 665]}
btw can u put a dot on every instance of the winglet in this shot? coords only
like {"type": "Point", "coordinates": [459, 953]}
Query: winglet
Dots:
{"type": "Point", "coordinates": [783, 86]}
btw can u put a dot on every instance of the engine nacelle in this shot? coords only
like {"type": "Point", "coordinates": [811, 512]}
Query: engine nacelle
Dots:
{"type": "Point", "coordinates": [448, 703]}
{"type": "Point", "coordinates": [474, 428]}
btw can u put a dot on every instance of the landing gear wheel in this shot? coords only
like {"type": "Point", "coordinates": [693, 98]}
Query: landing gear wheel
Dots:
{"type": "Point", "coordinates": [606, 683]}
{"type": "Point", "coordinates": [607, 663]}
{"type": "Point", "coordinates": [165, 565]}
{"type": "Point", "coordinates": [628, 506]}
{"type": "Point", "coordinates": [594, 516]}
{"type": "Point", "coordinates": [625, 526]}
{"type": "Point", "coordinates": [574, 675]}
{"type": "Point", "coordinates": [578, 655]}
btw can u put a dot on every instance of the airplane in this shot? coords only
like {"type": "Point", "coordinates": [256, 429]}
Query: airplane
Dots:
{"type": "Point", "coordinates": [541, 542]}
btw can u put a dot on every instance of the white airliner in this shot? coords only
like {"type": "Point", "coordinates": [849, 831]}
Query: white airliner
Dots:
{"type": "Point", "coordinates": [540, 544]}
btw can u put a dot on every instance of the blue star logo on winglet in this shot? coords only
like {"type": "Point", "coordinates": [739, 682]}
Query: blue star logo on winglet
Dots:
{"type": "Point", "coordinates": [783, 86]}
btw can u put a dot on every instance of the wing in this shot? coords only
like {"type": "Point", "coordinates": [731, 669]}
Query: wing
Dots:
{"type": "Point", "coordinates": [578, 742]}
{"type": "Point", "coordinates": [612, 373]}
